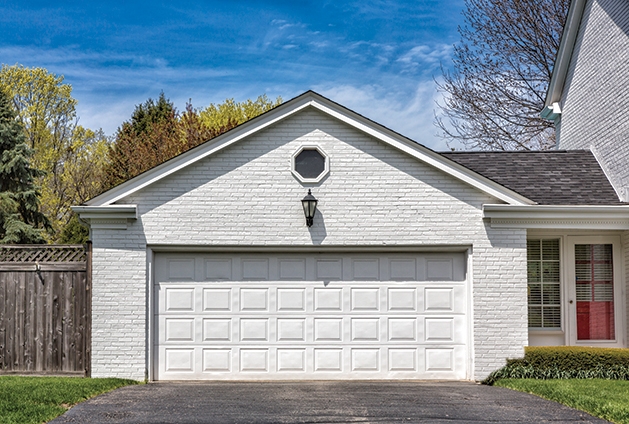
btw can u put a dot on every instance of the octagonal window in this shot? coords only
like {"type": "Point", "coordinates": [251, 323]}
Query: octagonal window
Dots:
{"type": "Point", "coordinates": [310, 164]}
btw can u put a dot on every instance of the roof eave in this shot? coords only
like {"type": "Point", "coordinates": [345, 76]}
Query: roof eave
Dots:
{"type": "Point", "coordinates": [599, 217]}
{"type": "Point", "coordinates": [107, 212]}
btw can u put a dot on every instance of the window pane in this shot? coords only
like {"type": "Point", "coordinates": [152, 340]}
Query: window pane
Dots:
{"type": "Point", "coordinates": [534, 272]}
{"type": "Point", "coordinates": [584, 292]}
{"type": "Point", "coordinates": [533, 250]}
{"type": "Point", "coordinates": [550, 250]}
{"type": "Point", "coordinates": [535, 316]}
{"type": "Point", "coordinates": [583, 271]}
{"type": "Point", "coordinates": [552, 317]}
{"type": "Point", "coordinates": [603, 292]}
{"type": "Point", "coordinates": [309, 163]}
{"type": "Point", "coordinates": [550, 272]}
{"type": "Point", "coordinates": [603, 271]}
{"type": "Point", "coordinates": [535, 294]}
{"type": "Point", "coordinates": [551, 294]}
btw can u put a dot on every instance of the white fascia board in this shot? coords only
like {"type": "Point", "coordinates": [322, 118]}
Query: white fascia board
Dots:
{"type": "Point", "coordinates": [424, 154]}
{"type": "Point", "coordinates": [311, 99]}
{"type": "Point", "coordinates": [564, 217]}
{"type": "Point", "coordinates": [564, 55]}
{"type": "Point", "coordinates": [107, 212]}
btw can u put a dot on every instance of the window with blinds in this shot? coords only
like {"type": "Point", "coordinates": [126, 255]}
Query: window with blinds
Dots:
{"type": "Point", "coordinates": [544, 290]}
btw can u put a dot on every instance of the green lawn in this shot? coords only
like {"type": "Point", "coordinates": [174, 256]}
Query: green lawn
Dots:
{"type": "Point", "coordinates": [607, 399]}
{"type": "Point", "coordinates": [25, 400]}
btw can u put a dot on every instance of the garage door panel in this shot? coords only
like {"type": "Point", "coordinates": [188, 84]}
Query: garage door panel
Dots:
{"type": "Point", "coordinates": [292, 269]}
{"type": "Point", "coordinates": [218, 269]}
{"type": "Point", "coordinates": [402, 299]}
{"type": "Point", "coordinates": [291, 299]}
{"type": "Point", "coordinates": [217, 299]}
{"type": "Point", "coordinates": [359, 322]}
{"type": "Point", "coordinates": [217, 360]}
{"type": "Point", "coordinates": [328, 299]}
{"type": "Point", "coordinates": [446, 298]}
{"type": "Point", "coordinates": [438, 362]}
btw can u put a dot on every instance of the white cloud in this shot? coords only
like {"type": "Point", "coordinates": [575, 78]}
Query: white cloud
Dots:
{"type": "Point", "coordinates": [423, 56]}
{"type": "Point", "coordinates": [411, 115]}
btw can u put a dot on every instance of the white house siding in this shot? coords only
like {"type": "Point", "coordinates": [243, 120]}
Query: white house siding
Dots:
{"type": "Point", "coordinates": [119, 296]}
{"type": "Point", "coordinates": [246, 195]}
{"type": "Point", "coordinates": [595, 96]}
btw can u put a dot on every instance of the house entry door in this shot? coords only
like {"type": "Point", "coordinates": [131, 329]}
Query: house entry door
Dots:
{"type": "Point", "coordinates": [595, 291]}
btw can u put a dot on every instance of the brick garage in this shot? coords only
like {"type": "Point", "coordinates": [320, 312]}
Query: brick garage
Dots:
{"type": "Point", "coordinates": [384, 196]}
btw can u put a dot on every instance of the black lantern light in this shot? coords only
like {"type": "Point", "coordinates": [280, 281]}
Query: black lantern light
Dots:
{"type": "Point", "coordinates": [310, 206]}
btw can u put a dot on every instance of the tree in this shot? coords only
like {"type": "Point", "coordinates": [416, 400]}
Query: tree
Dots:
{"type": "Point", "coordinates": [502, 68]}
{"type": "Point", "coordinates": [20, 219]}
{"type": "Point", "coordinates": [156, 133]}
{"type": "Point", "coordinates": [224, 114]}
{"type": "Point", "coordinates": [149, 138]}
{"type": "Point", "coordinates": [69, 154]}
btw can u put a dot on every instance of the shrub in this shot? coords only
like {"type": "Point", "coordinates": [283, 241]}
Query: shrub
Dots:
{"type": "Point", "coordinates": [563, 362]}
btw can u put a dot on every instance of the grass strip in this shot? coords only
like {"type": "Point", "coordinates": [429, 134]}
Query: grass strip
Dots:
{"type": "Point", "coordinates": [26, 400]}
{"type": "Point", "coordinates": [607, 399]}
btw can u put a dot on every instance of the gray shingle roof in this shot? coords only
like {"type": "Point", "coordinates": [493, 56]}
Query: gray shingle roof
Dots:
{"type": "Point", "coordinates": [555, 177]}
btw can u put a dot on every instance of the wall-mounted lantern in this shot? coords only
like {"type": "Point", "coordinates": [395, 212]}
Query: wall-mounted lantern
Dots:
{"type": "Point", "coordinates": [310, 206]}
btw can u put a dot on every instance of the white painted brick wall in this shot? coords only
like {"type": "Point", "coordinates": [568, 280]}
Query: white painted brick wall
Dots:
{"type": "Point", "coordinates": [595, 102]}
{"type": "Point", "coordinates": [247, 196]}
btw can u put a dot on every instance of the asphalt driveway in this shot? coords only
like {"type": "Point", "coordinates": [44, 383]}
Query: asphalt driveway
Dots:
{"type": "Point", "coordinates": [319, 402]}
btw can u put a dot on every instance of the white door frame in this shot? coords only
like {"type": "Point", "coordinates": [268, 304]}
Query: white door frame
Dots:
{"type": "Point", "coordinates": [619, 290]}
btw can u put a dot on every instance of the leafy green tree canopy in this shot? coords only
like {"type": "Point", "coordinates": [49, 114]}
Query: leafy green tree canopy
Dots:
{"type": "Point", "coordinates": [70, 155]}
{"type": "Point", "coordinates": [156, 133]}
{"type": "Point", "coordinates": [223, 114]}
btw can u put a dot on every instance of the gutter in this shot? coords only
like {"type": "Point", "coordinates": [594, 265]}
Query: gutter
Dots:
{"type": "Point", "coordinates": [562, 62]}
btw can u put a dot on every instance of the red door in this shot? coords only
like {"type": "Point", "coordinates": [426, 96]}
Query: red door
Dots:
{"type": "Point", "coordinates": [595, 291]}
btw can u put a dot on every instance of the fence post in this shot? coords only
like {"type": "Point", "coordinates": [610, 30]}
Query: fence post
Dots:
{"type": "Point", "coordinates": [88, 327]}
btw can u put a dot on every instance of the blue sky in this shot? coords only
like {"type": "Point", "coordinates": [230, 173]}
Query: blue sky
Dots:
{"type": "Point", "coordinates": [379, 58]}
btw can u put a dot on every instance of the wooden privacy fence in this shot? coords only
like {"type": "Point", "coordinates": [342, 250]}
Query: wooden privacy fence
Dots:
{"type": "Point", "coordinates": [45, 309]}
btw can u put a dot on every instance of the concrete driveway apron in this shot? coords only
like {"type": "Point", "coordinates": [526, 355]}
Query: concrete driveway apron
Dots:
{"type": "Point", "coordinates": [319, 402]}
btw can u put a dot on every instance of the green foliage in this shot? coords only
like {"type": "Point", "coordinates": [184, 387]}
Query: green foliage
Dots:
{"type": "Point", "coordinates": [156, 133]}
{"type": "Point", "coordinates": [45, 107]}
{"type": "Point", "coordinates": [74, 232]}
{"type": "Point", "coordinates": [70, 156]}
{"type": "Point", "coordinates": [148, 139]}
{"type": "Point", "coordinates": [151, 112]}
{"type": "Point", "coordinates": [605, 399]}
{"type": "Point", "coordinates": [34, 400]}
{"type": "Point", "coordinates": [230, 111]}
{"type": "Point", "coordinates": [20, 218]}
{"type": "Point", "coordinates": [565, 362]}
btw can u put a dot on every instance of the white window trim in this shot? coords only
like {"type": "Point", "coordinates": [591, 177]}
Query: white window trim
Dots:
{"type": "Point", "coordinates": [619, 291]}
{"type": "Point", "coordinates": [562, 287]}
{"type": "Point", "coordinates": [326, 168]}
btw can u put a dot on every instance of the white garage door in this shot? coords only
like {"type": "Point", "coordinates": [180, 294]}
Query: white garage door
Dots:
{"type": "Point", "coordinates": [310, 316]}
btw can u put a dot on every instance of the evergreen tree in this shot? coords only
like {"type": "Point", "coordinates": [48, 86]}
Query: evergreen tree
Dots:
{"type": "Point", "coordinates": [21, 222]}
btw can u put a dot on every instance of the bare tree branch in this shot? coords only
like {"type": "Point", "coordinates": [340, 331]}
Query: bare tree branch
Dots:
{"type": "Point", "coordinates": [502, 68]}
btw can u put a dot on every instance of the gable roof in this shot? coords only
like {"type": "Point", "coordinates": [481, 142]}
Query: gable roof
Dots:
{"type": "Point", "coordinates": [562, 62]}
{"type": "Point", "coordinates": [311, 99]}
{"type": "Point", "coordinates": [555, 177]}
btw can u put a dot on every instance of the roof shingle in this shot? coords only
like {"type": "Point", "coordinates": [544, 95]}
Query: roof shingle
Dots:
{"type": "Point", "coordinates": [554, 177]}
